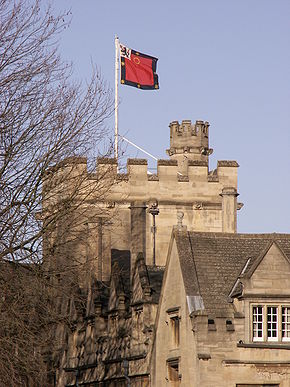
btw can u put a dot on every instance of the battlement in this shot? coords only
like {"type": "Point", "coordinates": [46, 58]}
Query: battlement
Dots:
{"type": "Point", "coordinates": [167, 170]}
{"type": "Point", "coordinates": [187, 129]}
{"type": "Point", "coordinates": [189, 151]}
{"type": "Point", "coordinates": [190, 141]}
{"type": "Point", "coordinates": [198, 186]}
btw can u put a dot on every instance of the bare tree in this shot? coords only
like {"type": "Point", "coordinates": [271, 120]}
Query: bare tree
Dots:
{"type": "Point", "coordinates": [45, 118]}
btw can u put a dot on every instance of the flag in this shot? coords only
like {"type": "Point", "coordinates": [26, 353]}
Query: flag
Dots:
{"type": "Point", "coordinates": [138, 70]}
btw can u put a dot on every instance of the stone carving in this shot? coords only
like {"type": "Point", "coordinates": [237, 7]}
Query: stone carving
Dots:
{"type": "Point", "coordinates": [180, 216]}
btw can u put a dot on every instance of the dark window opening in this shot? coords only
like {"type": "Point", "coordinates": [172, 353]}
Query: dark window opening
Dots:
{"type": "Point", "coordinates": [173, 372]}
{"type": "Point", "coordinates": [175, 327]}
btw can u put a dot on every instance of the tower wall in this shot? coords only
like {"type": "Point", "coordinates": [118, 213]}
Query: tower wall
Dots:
{"type": "Point", "coordinates": [196, 194]}
{"type": "Point", "coordinates": [202, 195]}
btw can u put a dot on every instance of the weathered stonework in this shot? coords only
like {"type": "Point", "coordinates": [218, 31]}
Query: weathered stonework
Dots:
{"type": "Point", "coordinates": [184, 316]}
{"type": "Point", "coordinates": [180, 183]}
{"type": "Point", "coordinates": [216, 345]}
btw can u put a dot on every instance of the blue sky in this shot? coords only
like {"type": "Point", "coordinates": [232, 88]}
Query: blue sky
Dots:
{"type": "Point", "coordinates": [224, 61]}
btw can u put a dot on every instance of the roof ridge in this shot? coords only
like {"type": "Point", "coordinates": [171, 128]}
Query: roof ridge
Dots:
{"type": "Point", "coordinates": [272, 236]}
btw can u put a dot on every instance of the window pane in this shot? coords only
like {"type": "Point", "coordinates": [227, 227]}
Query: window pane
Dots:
{"type": "Point", "coordinates": [286, 323]}
{"type": "Point", "coordinates": [257, 323]}
{"type": "Point", "coordinates": [272, 323]}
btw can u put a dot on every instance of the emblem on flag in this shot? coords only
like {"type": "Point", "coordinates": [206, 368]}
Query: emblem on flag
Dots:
{"type": "Point", "coordinates": [125, 52]}
{"type": "Point", "coordinates": [137, 69]}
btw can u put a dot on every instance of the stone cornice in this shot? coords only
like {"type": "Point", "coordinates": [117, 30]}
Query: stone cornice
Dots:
{"type": "Point", "coordinates": [227, 163]}
{"type": "Point", "coordinates": [137, 162]}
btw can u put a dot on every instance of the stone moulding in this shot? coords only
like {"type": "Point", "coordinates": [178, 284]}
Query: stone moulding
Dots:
{"type": "Point", "coordinates": [264, 363]}
{"type": "Point", "coordinates": [197, 163]}
{"type": "Point", "coordinates": [163, 162]}
{"type": "Point", "coordinates": [182, 178]}
{"type": "Point", "coordinates": [173, 310]}
{"type": "Point", "coordinates": [213, 179]}
{"type": "Point", "coordinates": [203, 356]}
{"type": "Point", "coordinates": [106, 160]}
{"type": "Point", "coordinates": [153, 177]}
{"type": "Point", "coordinates": [130, 358]}
{"type": "Point", "coordinates": [137, 162]}
{"type": "Point", "coordinates": [122, 176]}
{"type": "Point", "coordinates": [74, 160]}
{"type": "Point", "coordinates": [227, 163]}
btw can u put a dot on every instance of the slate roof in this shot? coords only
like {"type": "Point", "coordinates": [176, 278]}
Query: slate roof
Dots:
{"type": "Point", "coordinates": [212, 262]}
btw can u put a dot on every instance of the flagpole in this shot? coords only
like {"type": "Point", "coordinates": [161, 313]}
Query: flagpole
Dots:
{"type": "Point", "coordinates": [116, 95]}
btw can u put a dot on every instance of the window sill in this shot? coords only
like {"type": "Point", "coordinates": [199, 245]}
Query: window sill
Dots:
{"type": "Point", "coordinates": [268, 345]}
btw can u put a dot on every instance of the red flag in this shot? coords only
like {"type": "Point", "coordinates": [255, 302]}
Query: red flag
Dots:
{"type": "Point", "coordinates": [138, 70]}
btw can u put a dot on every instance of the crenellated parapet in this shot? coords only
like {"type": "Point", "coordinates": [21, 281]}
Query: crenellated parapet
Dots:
{"type": "Point", "coordinates": [169, 184]}
{"type": "Point", "coordinates": [189, 142]}
{"type": "Point", "coordinates": [139, 174]}
{"type": "Point", "coordinates": [189, 139]}
{"type": "Point", "coordinates": [137, 169]}
{"type": "Point", "coordinates": [167, 170]}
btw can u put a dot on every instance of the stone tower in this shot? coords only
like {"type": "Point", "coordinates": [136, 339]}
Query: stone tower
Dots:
{"type": "Point", "coordinates": [182, 184]}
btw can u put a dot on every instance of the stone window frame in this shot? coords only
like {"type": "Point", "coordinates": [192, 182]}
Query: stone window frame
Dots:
{"type": "Point", "coordinates": [267, 322]}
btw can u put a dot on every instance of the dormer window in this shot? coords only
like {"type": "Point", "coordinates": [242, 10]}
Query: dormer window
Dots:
{"type": "Point", "coordinates": [270, 323]}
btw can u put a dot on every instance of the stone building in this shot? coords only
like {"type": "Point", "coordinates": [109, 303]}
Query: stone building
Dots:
{"type": "Point", "coordinates": [224, 311]}
{"type": "Point", "coordinates": [172, 295]}
{"type": "Point", "coordinates": [184, 183]}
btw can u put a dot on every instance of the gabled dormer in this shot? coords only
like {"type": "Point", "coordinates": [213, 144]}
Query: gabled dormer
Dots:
{"type": "Point", "coordinates": [239, 330]}
{"type": "Point", "coordinates": [264, 288]}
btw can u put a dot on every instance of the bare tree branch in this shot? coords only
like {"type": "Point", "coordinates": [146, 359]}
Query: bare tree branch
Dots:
{"type": "Point", "coordinates": [45, 118]}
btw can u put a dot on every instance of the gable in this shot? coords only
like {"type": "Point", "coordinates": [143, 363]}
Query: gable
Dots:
{"type": "Point", "coordinates": [116, 287]}
{"type": "Point", "coordinates": [180, 284]}
{"type": "Point", "coordinates": [137, 291]}
{"type": "Point", "coordinates": [173, 291]}
{"type": "Point", "coordinates": [272, 275]}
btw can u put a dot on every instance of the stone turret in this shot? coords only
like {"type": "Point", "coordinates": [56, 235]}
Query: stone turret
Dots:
{"type": "Point", "coordinates": [188, 142]}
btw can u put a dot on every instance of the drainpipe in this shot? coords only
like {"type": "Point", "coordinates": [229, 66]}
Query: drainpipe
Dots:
{"type": "Point", "coordinates": [126, 371]}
